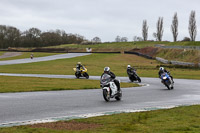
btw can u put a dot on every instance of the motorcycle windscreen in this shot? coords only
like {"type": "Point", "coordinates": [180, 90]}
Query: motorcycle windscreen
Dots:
{"type": "Point", "coordinates": [105, 79]}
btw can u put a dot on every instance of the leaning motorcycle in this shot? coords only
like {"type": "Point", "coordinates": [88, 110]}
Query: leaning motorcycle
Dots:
{"type": "Point", "coordinates": [167, 81]}
{"type": "Point", "coordinates": [81, 73]}
{"type": "Point", "coordinates": [134, 76]}
{"type": "Point", "coordinates": [109, 88]}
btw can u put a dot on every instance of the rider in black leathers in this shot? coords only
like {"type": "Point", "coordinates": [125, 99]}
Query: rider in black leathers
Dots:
{"type": "Point", "coordinates": [107, 71]}
{"type": "Point", "coordinates": [130, 70]}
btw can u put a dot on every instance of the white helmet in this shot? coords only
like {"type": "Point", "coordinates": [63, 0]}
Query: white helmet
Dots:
{"type": "Point", "coordinates": [161, 68]}
{"type": "Point", "coordinates": [128, 66]}
{"type": "Point", "coordinates": [106, 69]}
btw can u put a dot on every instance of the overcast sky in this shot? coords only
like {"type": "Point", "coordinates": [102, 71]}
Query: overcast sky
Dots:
{"type": "Point", "coordinates": [103, 18]}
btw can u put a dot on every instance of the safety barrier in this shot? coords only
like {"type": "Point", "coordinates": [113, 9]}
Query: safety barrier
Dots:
{"type": "Point", "coordinates": [162, 60]}
{"type": "Point", "coordinates": [180, 63]}
{"type": "Point", "coordinates": [139, 54]}
{"type": "Point", "coordinates": [178, 47]}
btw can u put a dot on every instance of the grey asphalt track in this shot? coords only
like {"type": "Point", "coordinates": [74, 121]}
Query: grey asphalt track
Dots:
{"type": "Point", "coordinates": [46, 58]}
{"type": "Point", "coordinates": [29, 106]}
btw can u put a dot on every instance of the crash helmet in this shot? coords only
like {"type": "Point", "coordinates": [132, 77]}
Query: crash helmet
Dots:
{"type": "Point", "coordinates": [128, 66]}
{"type": "Point", "coordinates": [161, 68]}
{"type": "Point", "coordinates": [79, 63]}
{"type": "Point", "coordinates": [107, 69]}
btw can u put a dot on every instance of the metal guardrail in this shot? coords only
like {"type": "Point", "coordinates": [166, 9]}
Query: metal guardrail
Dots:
{"type": "Point", "coordinates": [162, 60]}
{"type": "Point", "coordinates": [180, 63]}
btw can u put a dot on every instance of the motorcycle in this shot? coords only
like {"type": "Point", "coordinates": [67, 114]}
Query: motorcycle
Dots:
{"type": "Point", "coordinates": [134, 76]}
{"type": "Point", "coordinates": [81, 73]}
{"type": "Point", "coordinates": [167, 81]}
{"type": "Point", "coordinates": [109, 88]}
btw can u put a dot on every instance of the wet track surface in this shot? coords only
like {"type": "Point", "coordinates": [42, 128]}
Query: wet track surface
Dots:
{"type": "Point", "coordinates": [39, 59]}
{"type": "Point", "coordinates": [29, 106]}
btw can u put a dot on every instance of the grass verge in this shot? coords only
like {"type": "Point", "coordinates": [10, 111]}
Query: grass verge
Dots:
{"type": "Point", "coordinates": [27, 84]}
{"type": "Point", "coordinates": [177, 120]}
{"type": "Point", "coordinates": [95, 64]}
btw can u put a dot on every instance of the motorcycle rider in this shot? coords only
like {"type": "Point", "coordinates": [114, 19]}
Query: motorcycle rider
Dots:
{"type": "Point", "coordinates": [130, 69]}
{"type": "Point", "coordinates": [163, 70]}
{"type": "Point", "coordinates": [107, 71]}
{"type": "Point", "coordinates": [79, 66]}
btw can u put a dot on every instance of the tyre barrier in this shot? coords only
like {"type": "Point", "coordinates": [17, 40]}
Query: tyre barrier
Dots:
{"type": "Point", "coordinates": [139, 54]}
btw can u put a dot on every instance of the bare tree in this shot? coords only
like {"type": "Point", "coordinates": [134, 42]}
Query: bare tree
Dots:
{"type": "Point", "coordinates": [174, 27]}
{"type": "Point", "coordinates": [96, 40]}
{"type": "Point", "coordinates": [124, 39]}
{"type": "Point", "coordinates": [145, 30]}
{"type": "Point", "coordinates": [155, 36]}
{"type": "Point", "coordinates": [118, 39]}
{"type": "Point", "coordinates": [160, 29]}
{"type": "Point", "coordinates": [192, 26]}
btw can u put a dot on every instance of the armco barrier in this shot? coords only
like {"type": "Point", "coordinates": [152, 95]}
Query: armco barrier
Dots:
{"type": "Point", "coordinates": [162, 60]}
{"type": "Point", "coordinates": [178, 47]}
{"type": "Point", "coordinates": [182, 63]}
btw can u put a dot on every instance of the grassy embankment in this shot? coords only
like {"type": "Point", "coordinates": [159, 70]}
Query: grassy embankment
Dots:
{"type": "Point", "coordinates": [27, 55]}
{"type": "Point", "coordinates": [124, 45]}
{"type": "Point", "coordinates": [176, 120]}
{"type": "Point", "coordinates": [180, 55]}
{"type": "Point", "coordinates": [27, 84]}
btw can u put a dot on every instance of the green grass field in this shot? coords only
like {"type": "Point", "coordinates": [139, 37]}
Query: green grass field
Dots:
{"type": "Point", "coordinates": [27, 55]}
{"type": "Point", "coordinates": [176, 120]}
{"type": "Point", "coordinates": [27, 84]}
{"type": "Point", "coordinates": [96, 63]}
{"type": "Point", "coordinates": [1, 53]}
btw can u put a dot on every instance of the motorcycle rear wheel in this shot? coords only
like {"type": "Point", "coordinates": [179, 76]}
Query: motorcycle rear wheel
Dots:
{"type": "Point", "coordinates": [77, 76]}
{"type": "Point", "coordinates": [118, 98]}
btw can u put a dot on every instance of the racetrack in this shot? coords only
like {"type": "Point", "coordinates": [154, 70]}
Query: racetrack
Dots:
{"type": "Point", "coordinates": [54, 105]}
{"type": "Point", "coordinates": [17, 108]}
{"type": "Point", "coordinates": [39, 59]}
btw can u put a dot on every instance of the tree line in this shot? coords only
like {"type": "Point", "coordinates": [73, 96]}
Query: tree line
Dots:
{"type": "Point", "coordinates": [158, 34]}
{"type": "Point", "coordinates": [12, 37]}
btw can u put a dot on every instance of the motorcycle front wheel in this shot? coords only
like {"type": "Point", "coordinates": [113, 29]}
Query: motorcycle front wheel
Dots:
{"type": "Point", "coordinates": [86, 75]}
{"type": "Point", "coordinates": [106, 96]}
{"type": "Point", "coordinates": [139, 79]}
